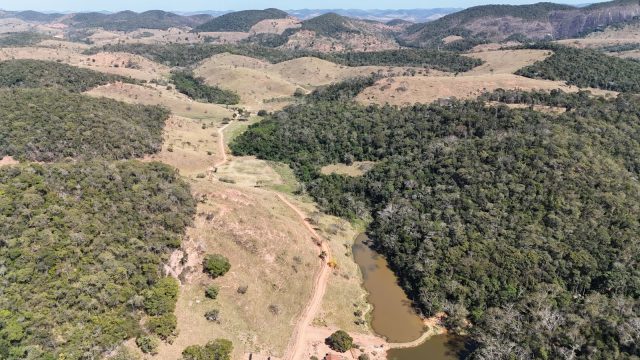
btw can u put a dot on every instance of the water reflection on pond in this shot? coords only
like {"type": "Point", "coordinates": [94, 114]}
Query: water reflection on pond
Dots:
{"type": "Point", "coordinates": [392, 315]}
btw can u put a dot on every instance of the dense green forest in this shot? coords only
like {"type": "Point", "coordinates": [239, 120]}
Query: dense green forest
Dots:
{"type": "Point", "coordinates": [523, 223]}
{"type": "Point", "coordinates": [50, 74]}
{"type": "Point", "coordinates": [585, 68]}
{"type": "Point", "coordinates": [48, 125]}
{"type": "Point", "coordinates": [195, 88]}
{"type": "Point", "coordinates": [330, 25]}
{"type": "Point", "coordinates": [26, 38]}
{"type": "Point", "coordinates": [240, 20]}
{"type": "Point", "coordinates": [188, 55]}
{"type": "Point", "coordinates": [81, 248]}
{"type": "Point", "coordinates": [130, 21]}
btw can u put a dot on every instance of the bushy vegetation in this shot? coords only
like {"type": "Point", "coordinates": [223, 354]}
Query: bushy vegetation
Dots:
{"type": "Point", "coordinates": [130, 21]}
{"type": "Point", "coordinates": [81, 250]}
{"type": "Point", "coordinates": [330, 25]}
{"type": "Point", "coordinates": [188, 55]}
{"type": "Point", "coordinates": [340, 341]}
{"type": "Point", "coordinates": [17, 39]}
{"type": "Point", "coordinates": [585, 68]}
{"type": "Point", "coordinates": [344, 90]}
{"type": "Point", "coordinates": [48, 125]}
{"type": "Point", "coordinates": [216, 265]}
{"type": "Point", "coordinates": [240, 20]}
{"type": "Point", "coordinates": [219, 349]}
{"type": "Point", "coordinates": [212, 291]}
{"type": "Point", "coordinates": [523, 223]}
{"type": "Point", "coordinates": [50, 74]}
{"type": "Point", "coordinates": [195, 88]}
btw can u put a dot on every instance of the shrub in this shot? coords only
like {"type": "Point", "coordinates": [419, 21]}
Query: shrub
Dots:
{"type": "Point", "coordinates": [242, 289]}
{"type": "Point", "coordinates": [363, 357]}
{"type": "Point", "coordinates": [163, 326]}
{"type": "Point", "coordinates": [340, 341]}
{"type": "Point", "coordinates": [262, 113]}
{"type": "Point", "coordinates": [212, 315]}
{"type": "Point", "coordinates": [216, 265]}
{"type": "Point", "coordinates": [212, 291]}
{"type": "Point", "coordinates": [148, 344]}
{"type": "Point", "coordinates": [161, 298]}
{"type": "Point", "coordinates": [219, 349]}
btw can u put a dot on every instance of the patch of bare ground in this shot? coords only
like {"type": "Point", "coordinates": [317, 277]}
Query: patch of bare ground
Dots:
{"type": "Point", "coordinates": [274, 26]}
{"type": "Point", "coordinates": [8, 160]}
{"type": "Point", "coordinates": [151, 94]}
{"type": "Point", "coordinates": [451, 38]}
{"type": "Point", "coordinates": [358, 168]}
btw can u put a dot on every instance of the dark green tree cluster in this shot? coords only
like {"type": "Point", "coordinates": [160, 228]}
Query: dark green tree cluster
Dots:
{"type": "Point", "coordinates": [185, 55]}
{"type": "Point", "coordinates": [523, 223]}
{"type": "Point", "coordinates": [48, 125]}
{"type": "Point", "coordinates": [240, 20]}
{"type": "Point", "coordinates": [219, 349]}
{"type": "Point", "coordinates": [344, 90]}
{"type": "Point", "coordinates": [130, 21]}
{"type": "Point", "coordinates": [26, 38]}
{"type": "Point", "coordinates": [50, 74]}
{"type": "Point", "coordinates": [330, 25]}
{"type": "Point", "coordinates": [340, 341]}
{"type": "Point", "coordinates": [216, 265]}
{"type": "Point", "coordinates": [195, 88]}
{"type": "Point", "coordinates": [585, 68]}
{"type": "Point", "coordinates": [81, 250]}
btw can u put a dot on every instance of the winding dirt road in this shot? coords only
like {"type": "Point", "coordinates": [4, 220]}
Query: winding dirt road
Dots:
{"type": "Point", "coordinates": [295, 348]}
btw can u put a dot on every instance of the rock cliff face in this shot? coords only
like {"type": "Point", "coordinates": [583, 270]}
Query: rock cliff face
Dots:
{"type": "Point", "coordinates": [567, 24]}
{"type": "Point", "coordinates": [537, 21]}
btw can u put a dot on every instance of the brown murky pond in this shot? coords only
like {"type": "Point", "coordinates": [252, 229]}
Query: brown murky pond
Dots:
{"type": "Point", "coordinates": [392, 315]}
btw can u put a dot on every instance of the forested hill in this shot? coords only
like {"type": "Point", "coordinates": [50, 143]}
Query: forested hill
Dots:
{"type": "Point", "coordinates": [129, 20]}
{"type": "Point", "coordinates": [523, 223]}
{"type": "Point", "coordinates": [25, 73]}
{"type": "Point", "coordinates": [536, 21]}
{"type": "Point", "coordinates": [49, 125]}
{"type": "Point", "coordinates": [240, 20]}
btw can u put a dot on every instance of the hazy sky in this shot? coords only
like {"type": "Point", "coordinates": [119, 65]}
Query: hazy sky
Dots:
{"type": "Point", "coordinates": [194, 5]}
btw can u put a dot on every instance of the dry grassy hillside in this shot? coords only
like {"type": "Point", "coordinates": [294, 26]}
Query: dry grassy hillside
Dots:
{"type": "Point", "coordinates": [497, 72]}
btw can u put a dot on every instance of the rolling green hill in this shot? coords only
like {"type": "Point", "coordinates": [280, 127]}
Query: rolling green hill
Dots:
{"type": "Point", "coordinates": [49, 125]}
{"type": "Point", "coordinates": [50, 74]}
{"type": "Point", "coordinates": [330, 24]}
{"type": "Point", "coordinates": [129, 20]}
{"type": "Point", "coordinates": [240, 20]}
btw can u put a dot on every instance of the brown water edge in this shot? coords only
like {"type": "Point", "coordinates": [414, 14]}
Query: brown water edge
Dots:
{"type": "Point", "coordinates": [438, 347]}
{"type": "Point", "coordinates": [393, 316]}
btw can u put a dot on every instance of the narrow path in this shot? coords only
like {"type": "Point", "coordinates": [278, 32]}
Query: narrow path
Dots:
{"type": "Point", "coordinates": [222, 147]}
{"type": "Point", "coordinates": [296, 347]}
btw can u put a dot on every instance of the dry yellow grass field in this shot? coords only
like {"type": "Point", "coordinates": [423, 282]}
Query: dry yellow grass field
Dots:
{"type": "Point", "coordinates": [150, 94]}
{"type": "Point", "coordinates": [495, 73]}
{"type": "Point", "coordinates": [409, 90]}
{"type": "Point", "coordinates": [358, 168]}
{"type": "Point", "coordinates": [275, 26]}
{"type": "Point", "coordinates": [271, 254]}
{"type": "Point", "coordinates": [505, 61]}
{"type": "Point", "coordinates": [598, 42]}
{"type": "Point", "coordinates": [257, 81]}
